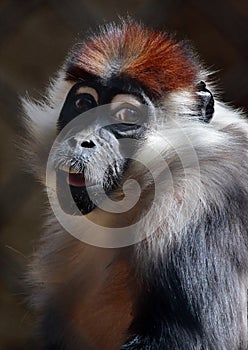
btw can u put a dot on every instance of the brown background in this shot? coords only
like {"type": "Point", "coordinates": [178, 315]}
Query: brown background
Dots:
{"type": "Point", "coordinates": [34, 38]}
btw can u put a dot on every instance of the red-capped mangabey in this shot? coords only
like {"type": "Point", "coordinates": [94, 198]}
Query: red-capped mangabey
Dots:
{"type": "Point", "coordinates": [169, 272]}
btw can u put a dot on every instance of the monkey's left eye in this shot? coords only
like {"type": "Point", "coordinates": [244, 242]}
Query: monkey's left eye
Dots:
{"type": "Point", "coordinates": [128, 115]}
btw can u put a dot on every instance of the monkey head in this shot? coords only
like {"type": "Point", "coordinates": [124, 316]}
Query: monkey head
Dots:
{"type": "Point", "coordinates": [108, 91]}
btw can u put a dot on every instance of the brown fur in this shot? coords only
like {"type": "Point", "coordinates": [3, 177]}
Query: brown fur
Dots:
{"type": "Point", "coordinates": [150, 57]}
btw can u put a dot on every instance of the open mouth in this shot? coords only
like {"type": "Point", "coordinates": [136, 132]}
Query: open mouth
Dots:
{"type": "Point", "coordinates": [74, 196]}
{"type": "Point", "coordinates": [76, 179]}
{"type": "Point", "coordinates": [79, 195]}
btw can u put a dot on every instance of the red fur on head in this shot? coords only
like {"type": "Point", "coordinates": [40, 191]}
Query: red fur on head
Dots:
{"type": "Point", "coordinates": [151, 57]}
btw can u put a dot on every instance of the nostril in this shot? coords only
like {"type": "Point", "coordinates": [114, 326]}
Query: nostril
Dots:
{"type": "Point", "coordinates": [87, 144]}
{"type": "Point", "coordinates": [74, 143]}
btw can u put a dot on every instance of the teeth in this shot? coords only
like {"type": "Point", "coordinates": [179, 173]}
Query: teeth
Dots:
{"type": "Point", "coordinates": [72, 171]}
{"type": "Point", "coordinates": [67, 169]}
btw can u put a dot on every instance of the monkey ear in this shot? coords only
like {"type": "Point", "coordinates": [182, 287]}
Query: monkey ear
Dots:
{"type": "Point", "coordinates": [206, 102]}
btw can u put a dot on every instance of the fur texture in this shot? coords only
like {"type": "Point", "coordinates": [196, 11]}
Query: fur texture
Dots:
{"type": "Point", "coordinates": [185, 285]}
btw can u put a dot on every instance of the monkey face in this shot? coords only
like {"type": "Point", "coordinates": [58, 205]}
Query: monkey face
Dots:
{"type": "Point", "coordinates": [91, 161]}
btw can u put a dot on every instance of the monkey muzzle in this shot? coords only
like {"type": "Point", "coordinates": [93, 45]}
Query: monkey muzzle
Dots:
{"type": "Point", "coordinates": [87, 169]}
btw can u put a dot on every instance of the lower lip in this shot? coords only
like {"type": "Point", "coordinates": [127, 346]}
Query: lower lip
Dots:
{"type": "Point", "coordinates": [76, 180]}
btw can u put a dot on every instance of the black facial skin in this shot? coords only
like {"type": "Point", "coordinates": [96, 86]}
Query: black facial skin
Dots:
{"type": "Point", "coordinates": [105, 141]}
{"type": "Point", "coordinates": [91, 153]}
{"type": "Point", "coordinates": [105, 91]}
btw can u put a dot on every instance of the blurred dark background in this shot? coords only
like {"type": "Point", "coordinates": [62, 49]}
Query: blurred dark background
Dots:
{"type": "Point", "coordinates": [34, 38]}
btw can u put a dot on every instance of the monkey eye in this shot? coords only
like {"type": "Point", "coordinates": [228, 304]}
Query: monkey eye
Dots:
{"type": "Point", "coordinates": [127, 114]}
{"type": "Point", "coordinates": [84, 102]}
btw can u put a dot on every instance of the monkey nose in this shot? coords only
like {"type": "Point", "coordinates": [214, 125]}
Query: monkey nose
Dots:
{"type": "Point", "coordinates": [87, 144]}
{"type": "Point", "coordinates": [75, 142]}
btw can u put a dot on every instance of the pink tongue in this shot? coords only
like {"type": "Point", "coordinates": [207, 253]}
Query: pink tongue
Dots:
{"type": "Point", "coordinates": [77, 180]}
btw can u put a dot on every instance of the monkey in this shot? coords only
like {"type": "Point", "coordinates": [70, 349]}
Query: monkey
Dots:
{"type": "Point", "coordinates": [136, 109]}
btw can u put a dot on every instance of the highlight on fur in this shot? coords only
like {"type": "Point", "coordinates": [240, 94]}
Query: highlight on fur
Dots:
{"type": "Point", "coordinates": [183, 283]}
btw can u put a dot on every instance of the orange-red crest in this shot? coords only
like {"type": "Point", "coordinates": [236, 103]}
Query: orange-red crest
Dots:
{"type": "Point", "coordinates": [131, 50]}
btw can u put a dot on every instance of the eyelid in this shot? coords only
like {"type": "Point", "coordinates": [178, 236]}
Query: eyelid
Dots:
{"type": "Point", "coordinates": [119, 106]}
{"type": "Point", "coordinates": [88, 90]}
{"type": "Point", "coordinates": [125, 100]}
{"type": "Point", "coordinates": [84, 98]}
